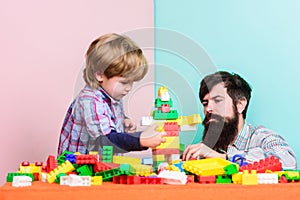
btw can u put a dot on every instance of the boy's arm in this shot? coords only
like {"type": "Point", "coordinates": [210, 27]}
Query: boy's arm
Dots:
{"type": "Point", "coordinates": [123, 141]}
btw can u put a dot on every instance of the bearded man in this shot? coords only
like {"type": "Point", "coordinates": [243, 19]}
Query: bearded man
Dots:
{"type": "Point", "coordinates": [225, 98]}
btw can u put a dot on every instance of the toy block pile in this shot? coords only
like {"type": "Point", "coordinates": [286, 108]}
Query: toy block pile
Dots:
{"type": "Point", "coordinates": [170, 150]}
{"type": "Point", "coordinates": [167, 120]}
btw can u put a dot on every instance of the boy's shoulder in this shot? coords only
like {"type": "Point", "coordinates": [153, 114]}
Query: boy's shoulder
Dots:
{"type": "Point", "coordinates": [88, 93]}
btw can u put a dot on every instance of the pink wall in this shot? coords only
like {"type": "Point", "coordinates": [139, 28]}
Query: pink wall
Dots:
{"type": "Point", "coordinates": [42, 52]}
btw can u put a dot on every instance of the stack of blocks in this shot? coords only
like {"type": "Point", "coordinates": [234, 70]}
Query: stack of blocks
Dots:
{"type": "Point", "coordinates": [170, 150]}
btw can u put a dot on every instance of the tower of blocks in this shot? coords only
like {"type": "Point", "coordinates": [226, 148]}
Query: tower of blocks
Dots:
{"type": "Point", "coordinates": [168, 121]}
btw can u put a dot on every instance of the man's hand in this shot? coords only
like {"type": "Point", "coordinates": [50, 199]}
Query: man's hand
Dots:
{"type": "Point", "coordinates": [130, 126]}
{"type": "Point", "coordinates": [200, 149]}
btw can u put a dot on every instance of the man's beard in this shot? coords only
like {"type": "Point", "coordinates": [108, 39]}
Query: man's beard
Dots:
{"type": "Point", "coordinates": [220, 132]}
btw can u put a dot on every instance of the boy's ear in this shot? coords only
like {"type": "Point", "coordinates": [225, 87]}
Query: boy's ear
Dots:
{"type": "Point", "coordinates": [99, 76]}
{"type": "Point", "coordinates": [241, 104]}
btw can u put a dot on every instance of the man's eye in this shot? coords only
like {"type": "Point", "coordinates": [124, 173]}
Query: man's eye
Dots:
{"type": "Point", "coordinates": [218, 100]}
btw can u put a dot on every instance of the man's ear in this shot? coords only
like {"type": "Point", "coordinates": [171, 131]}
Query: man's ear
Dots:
{"type": "Point", "coordinates": [241, 104]}
{"type": "Point", "coordinates": [99, 76]}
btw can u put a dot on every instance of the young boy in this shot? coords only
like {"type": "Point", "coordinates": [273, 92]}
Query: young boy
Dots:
{"type": "Point", "coordinates": [96, 116]}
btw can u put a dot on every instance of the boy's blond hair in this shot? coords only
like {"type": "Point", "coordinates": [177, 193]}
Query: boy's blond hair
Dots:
{"type": "Point", "coordinates": [114, 55]}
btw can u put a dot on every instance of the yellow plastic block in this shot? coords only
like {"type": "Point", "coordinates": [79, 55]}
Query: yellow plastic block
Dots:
{"type": "Point", "coordinates": [141, 170]}
{"type": "Point", "coordinates": [158, 157]}
{"type": "Point", "coordinates": [162, 90]}
{"type": "Point", "coordinates": [30, 169]}
{"type": "Point", "coordinates": [189, 120]}
{"type": "Point", "coordinates": [126, 160]}
{"type": "Point", "coordinates": [96, 180]}
{"type": "Point", "coordinates": [249, 179]}
{"type": "Point", "coordinates": [237, 178]}
{"type": "Point", "coordinates": [206, 167]}
{"type": "Point", "coordinates": [63, 168]}
{"type": "Point", "coordinates": [159, 127]}
{"type": "Point", "coordinates": [172, 142]}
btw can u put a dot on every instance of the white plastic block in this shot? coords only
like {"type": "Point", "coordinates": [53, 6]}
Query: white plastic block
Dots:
{"type": "Point", "coordinates": [21, 181]}
{"type": "Point", "coordinates": [147, 121]}
{"type": "Point", "coordinates": [173, 177]}
{"type": "Point", "coordinates": [75, 180]}
{"type": "Point", "coordinates": [267, 178]}
{"type": "Point", "coordinates": [184, 128]}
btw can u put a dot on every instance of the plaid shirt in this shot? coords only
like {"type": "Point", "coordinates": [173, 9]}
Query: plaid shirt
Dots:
{"type": "Point", "coordinates": [255, 143]}
{"type": "Point", "coordinates": [91, 114]}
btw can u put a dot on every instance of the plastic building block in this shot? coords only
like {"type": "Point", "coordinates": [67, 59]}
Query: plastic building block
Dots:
{"type": "Point", "coordinates": [289, 176]}
{"type": "Point", "coordinates": [172, 142]}
{"type": "Point", "coordinates": [267, 178]}
{"type": "Point", "coordinates": [62, 157]}
{"type": "Point", "coordinates": [237, 178]}
{"type": "Point", "coordinates": [163, 93]}
{"type": "Point", "coordinates": [147, 121]}
{"type": "Point", "coordinates": [158, 102]}
{"type": "Point", "coordinates": [71, 158]}
{"type": "Point", "coordinates": [109, 174]}
{"type": "Point", "coordinates": [206, 179]}
{"type": "Point", "coordinates": [165, 151]}
{"type": "Point", "coordinates": [206, 167]}
{"type": "Point", "coordinates": [57, 179]}
{"type": "Point", "coordinates": [157, 114]}
{"type": "Point", "coordinates": [10, 176]}
{"type": "Point", "coordinates": [165, 108]}
{"type": "Point", "coordinates": [21, 181]}
{"type": "Point", "coordinates": [171, 128]}
{"type": "Point", "coordinates": [75, 180]}
{"type": "Point", "coordinates": [231, 169]}
{"type": "Point", "coordinates": [51, 163]}
{"type": "Point", "coordinates": [271, 163]}
{"type": "Point", "coordinates": [30, 168]}
{"type": "Point", "coordinates": [96, 180]}
{"type": "Point", "coordinates": [223, 179]}
{"type": "Point", "coordinates": [63, 168]}
{"type": "Point", "coordinates": [147, 161]}
{"type": "Point", "coordinates": [100, 166]}
{"type": "Point", "coordinates": [107, 154]}
{"type": "Point", "coordinates": [86, 159]}
{"type": "Point", "coordinates": [85, 170]}
{"type": "Point", "coordinates": [186, 128]}
{"type": "Point", "coordinates": [141, 170]}
{"type": "Point", "coordinates": [126, 160]}
{"type": "Point", "coordinates": [173, 177]}
{"type": "Point", "coordinates": [249, 178]}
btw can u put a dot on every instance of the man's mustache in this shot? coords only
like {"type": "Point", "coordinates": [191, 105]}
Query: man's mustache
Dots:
{"type": "Point", "coordinates": [210, 116]}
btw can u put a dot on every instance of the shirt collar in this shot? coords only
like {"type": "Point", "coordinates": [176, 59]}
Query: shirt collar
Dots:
{"type": "Point", "coordinates": [108, 98]}
{"type": "Point", "coordinates": [242, 138]}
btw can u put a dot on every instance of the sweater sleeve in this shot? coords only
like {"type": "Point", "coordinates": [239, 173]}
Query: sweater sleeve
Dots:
{"type": "Point", "coordinates": [123, 142]}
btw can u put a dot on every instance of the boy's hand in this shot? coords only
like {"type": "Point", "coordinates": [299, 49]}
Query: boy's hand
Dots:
{"type": "Point", "coordinates": [151, 138]}
{"type": "Point", "coordinates": [130, 126]}
{"type": "Point", "coordinates": [200, 149]}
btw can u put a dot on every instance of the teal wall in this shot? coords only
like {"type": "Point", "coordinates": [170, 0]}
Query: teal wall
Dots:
{"type": "Point", "coordinates": [257, 39]}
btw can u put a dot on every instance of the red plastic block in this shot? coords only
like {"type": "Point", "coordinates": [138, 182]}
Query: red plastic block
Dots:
{"type": "Point", "coordinates": [171, 126]}
{"type": "Point", "coordinates": [86, 159]}
{"type": "Point", "coordinates": [165, 108]}
{"type": "Point", "coordinates": [271, 163]}
{"type": "Point", "coordinates": [190, 179]}
{"type": "Point", "coordinates": [207, 179]}
{"type": "Point", "coordinates": [165, 151]}
{"type": "Point", "coordinates": [100, 166]}
{"type": "Point", "coordinates": [51, 163]}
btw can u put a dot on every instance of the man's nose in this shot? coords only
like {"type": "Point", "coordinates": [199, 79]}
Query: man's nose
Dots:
{"type": "Point", "coordinates": [209, 108]}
